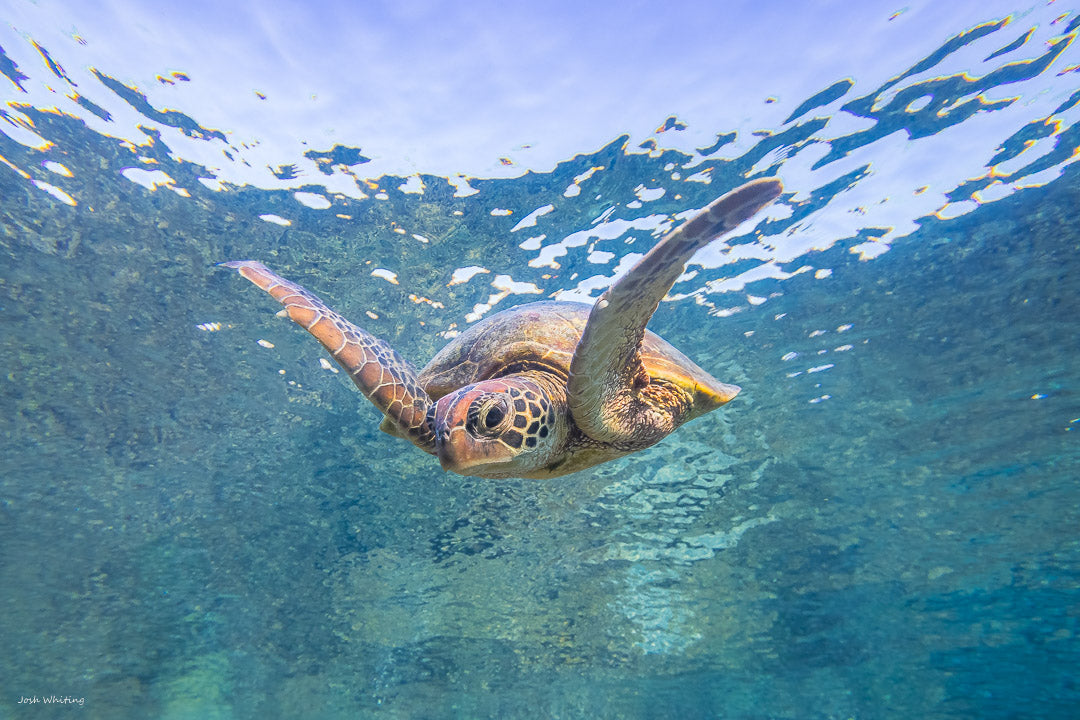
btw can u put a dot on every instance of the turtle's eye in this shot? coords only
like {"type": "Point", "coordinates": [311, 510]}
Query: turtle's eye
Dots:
{"type": "Point", "coordinates": [493, 417]}
{"type": "Point", "coordinates": [488, 415]}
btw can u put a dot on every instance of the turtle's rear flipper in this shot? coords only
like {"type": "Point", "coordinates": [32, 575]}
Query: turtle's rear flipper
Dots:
{"type": "Point", "coordinates": [608, 384]}
{"type": "Point", "coordinates": [376, 368]}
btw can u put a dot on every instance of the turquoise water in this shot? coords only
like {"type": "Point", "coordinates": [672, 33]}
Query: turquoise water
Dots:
{"type": "Point", "coordinates": [197, 524]}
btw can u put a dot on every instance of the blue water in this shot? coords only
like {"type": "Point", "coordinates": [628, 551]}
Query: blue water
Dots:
{"type": "Point", "coordinates": [197, 524]}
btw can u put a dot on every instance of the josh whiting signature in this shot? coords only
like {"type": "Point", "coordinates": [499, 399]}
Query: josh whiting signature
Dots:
{"type": "Point", "coordinates": [50, 700]}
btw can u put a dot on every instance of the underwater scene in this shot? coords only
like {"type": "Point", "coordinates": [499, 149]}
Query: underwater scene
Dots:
{"type": "Point", "coordinates": [201, 518]}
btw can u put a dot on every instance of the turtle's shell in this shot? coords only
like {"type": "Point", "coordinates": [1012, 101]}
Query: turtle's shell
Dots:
{"type": "Point", "coordinates": [543, 335]}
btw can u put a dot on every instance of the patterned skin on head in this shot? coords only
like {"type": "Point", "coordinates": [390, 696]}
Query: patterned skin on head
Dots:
{"type": "Point", "coordinates": [510, 426]}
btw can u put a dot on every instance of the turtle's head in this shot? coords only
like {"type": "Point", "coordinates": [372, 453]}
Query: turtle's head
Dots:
{"type": "Point", "coordinates": [507, 427]}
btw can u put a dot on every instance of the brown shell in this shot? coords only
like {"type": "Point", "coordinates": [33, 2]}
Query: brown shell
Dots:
{"type": "Point", "coordinates": [543, 335]}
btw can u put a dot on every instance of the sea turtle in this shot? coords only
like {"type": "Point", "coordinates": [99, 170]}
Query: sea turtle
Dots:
{"type": "Point", "coordinates": [542, 389]}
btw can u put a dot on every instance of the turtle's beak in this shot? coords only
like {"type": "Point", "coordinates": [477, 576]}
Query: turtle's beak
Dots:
{"type": "Point", "coordinates": [442, 441]}
{"type": "Point", "coordinates": [453, 444]}
{"type": "Point", "coordinates": [448, 462]}
{"type": "Point", "coordinates": [459, 450]}
{"type": "Point", "coordinates": [444, 448]}
{"type": "Point", "coordinates": [457, 454]}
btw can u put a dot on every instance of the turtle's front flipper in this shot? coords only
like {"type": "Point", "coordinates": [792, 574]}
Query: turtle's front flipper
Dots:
{"type": "Point", "coordinates": [376, 368]}
{"type": "Point", "coordinates": [608, 384]}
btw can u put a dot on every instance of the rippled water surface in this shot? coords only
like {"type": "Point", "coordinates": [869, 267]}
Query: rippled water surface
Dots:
{"type": "Point", "coordinates": [199, 517]}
